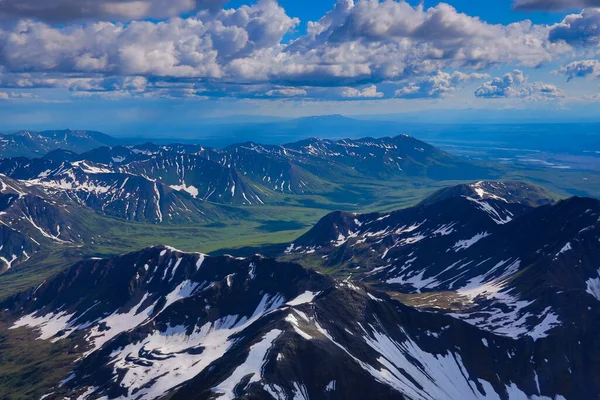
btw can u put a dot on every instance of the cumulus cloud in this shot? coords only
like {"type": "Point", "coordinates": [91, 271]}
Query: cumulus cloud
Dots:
{"type": "Point", "coordinates": [16, 95]}
{"type": "Point", "coordinates": [369, 92]}
{"type": "Point", "coordinates": [581, 29]}
{"type": "Point", "coordinates": [73, 10]}
{"type": "Point", "coordinates": [286, 92]}
{"type": "Point", "coordinates": [515, 84]}
{"type": "Point", "coordinates": [369, 41]}
{"type": "Point", "coordinates": [439, 85]}
{"type": "Point", "coordinates": [581, 69]}
{"type": "Point", "coordinates": [506, 86]}
{"type": "Point", "coordinates": [554, 5]}
{"type": "Point", "coordinates": [393, 40]}
{"type": "Point", "coordinates": [200, 46]}
{"type": "Point", "coordinates": [355, 45]}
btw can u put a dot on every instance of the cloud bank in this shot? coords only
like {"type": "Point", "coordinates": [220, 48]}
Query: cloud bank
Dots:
{"type": "Point", "coordinates": [198, 48]}
{"type": "Point", "coordinates": [554, 5]}
{"type": "Point", "coordinates": [515, 84]}
{"type": "Point", "coordinates": [581, 69]}
{"type": "Point", "coordinates": [436, 86]}
{"type": "Point", "coordinates": [61, 11]}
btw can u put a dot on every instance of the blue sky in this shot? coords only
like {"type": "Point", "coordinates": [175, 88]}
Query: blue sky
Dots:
{"type": "Point", "coordinates": [130, 67]}
{"type": "Point", "coordinates": [492, 11]}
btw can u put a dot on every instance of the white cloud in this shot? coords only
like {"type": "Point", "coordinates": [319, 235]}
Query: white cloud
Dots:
{"type": "Point", "coordinates": [16, 95]}
{"type": "Point", "coordinates": [200, 46]}
{"type": "Point", "coordinates": [554, 5]}
{"type": "Point", "coordinates": [438, 85]}
{"type": "Point", "coordinates": [581, 29]}
{"type": "Point", "coordinates": [351, 49]}
{"type": "Point", "coordinates": [69, 10]}
{"type": "Point", "coordinates": [286, 92]}
{"type": "Point", "coordinates": [369, 92]}
{"type": "Point", "coordinates": [369, 40]}
{"type": "Point", "coordinates": [581, 69]}
{"type": "Point", "coordinates": [506, 86]}
{"type": "Point", "coordinates": [515, 84]}
{"type": "Point", "coordinates": [392, 40]}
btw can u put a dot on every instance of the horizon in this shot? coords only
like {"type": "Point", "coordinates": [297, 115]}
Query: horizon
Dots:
{"type": "Point", "coordinates": [221, 125]}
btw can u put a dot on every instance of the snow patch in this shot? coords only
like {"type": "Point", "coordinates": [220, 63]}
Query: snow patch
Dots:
{"type": "Point", "coordinates": [465, 244]}
{"type": "Point", "coordinates": [306, 297]}
{"type": "Point", "coordinates": [593, 286]}
{"type": "Point", "coordinates": [191, 190]}
{"type": "Point", "coordinates": [252, 366]}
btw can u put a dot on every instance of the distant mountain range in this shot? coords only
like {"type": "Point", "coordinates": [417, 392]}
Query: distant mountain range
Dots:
{"type": "Point", "coordinates": [37, 144]}
{"type": "Point", "coordinates": [176, 183]}
{"type": "Point", "coordinates": [49, 200]}
{"type": "Point", "coordinates": [472, 138]}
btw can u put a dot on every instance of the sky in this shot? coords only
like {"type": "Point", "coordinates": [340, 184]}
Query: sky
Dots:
{"type": "Point", "coordinates": [128, 66]}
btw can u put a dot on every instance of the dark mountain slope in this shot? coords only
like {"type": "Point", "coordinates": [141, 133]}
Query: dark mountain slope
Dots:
{"type": "Point", "coordinates": [273, 167]}
{"type": "Point", "coordinates": [506, 191]}
{"type": "Point", "coordinates": [15, 248]}
{"type": "Point", "coordinates": [437, 233]}
{"type": "Point", "coordinates": [198, 176]}
{"type": "Point", "coordinates": [22, 168]}
{"type": "Point", "coordinates": [164, 324]}
{"type": "Point", "coordinates": [31, 220]}
{"type": "Point", "coordinates": [121, 195]}
{"type": "Point", "coordinates": [393, 156]}
{"type": "Point", "coordinates": [499, 264]}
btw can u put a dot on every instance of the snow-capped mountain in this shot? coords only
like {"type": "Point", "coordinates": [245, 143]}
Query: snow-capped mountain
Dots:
{"type": "Point", "coordinates": [37, 144]}
{"type": "Point", "coordinates": [487, 256]}
{"type": "Point", "coordinates": [31, 220]}
{"type": "Point", "coordinates": [160, 323]}
{"type": "Point", "coordinates": [198, 176]}
{"type": "Point", "coordinates": [174, 183]}
{"type": "Point", "coordinates": [110, 191]}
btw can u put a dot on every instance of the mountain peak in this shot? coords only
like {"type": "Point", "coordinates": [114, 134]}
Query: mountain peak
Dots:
{"type": "Point", "coordinates": [504, 191]}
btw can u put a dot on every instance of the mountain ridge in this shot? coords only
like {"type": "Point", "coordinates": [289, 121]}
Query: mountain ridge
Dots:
{"type": "Point", "coordinates": [241, 175]}
{"type": "Point", "coordinates": [373, 343]}
{"type": "Point", "coordinates": [507, 267]}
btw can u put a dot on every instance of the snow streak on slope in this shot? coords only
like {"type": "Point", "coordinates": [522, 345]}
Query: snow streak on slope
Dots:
{"type": "Point", "coordinates": [498, 215]}
{"type": "Point", "coordinates": [593, 286]}
{"type": "Point", "coordinates": [148, 377]}
{"type": "Point", "coordinates": [251, 367]}
{"type": "Point", "coordinates": [411, 371]}
{"type": "Point", "coordinates": [503, 313]}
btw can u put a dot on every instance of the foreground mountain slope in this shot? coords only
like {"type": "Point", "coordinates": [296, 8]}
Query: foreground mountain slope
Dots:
{"type": "Point", "coordinates": [438, 231]}
{"type": "Point", "coordinates": [496, 262]}
{"type": "Point", "coordinates": [164, 324]}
